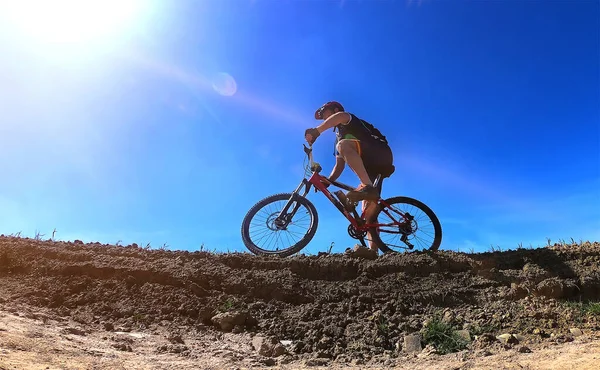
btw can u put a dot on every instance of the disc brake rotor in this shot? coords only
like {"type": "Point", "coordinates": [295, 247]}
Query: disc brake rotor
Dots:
{"type": "Point", "coordinates": [276, 223]}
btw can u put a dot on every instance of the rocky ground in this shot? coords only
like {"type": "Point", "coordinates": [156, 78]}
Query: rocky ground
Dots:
{"type": "Point", "coordinates": [75, 305]}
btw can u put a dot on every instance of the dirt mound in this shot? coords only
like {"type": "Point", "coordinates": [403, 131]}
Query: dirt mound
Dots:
{"type": "Point", "coordinates": [325, 308]}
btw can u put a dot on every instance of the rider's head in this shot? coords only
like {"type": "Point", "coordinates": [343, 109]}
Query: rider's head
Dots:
{"type": "Point", "coordinates": [328, 109]}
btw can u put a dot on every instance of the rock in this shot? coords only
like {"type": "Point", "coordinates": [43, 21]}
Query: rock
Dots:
{"type": "Point", "coordinates": [561, 338]}
{"type": "Point", "coordinates": [464, 334]}
{"type": "Point", "coordinates": [483, 353]}
{"type": "Point", "coordinates": [268, 347]}
{"type": "Point", "coordinates": [269, 362]}
{"type": "Point", "coordinates": [427, 351]}
{"type": "Point", "coordinates": [286, 359]}
{"type": "Point", "coordinates": [524, 349]}
{"type": "Point", "coordinates": [576, 332]}
{"type": "Point", "coordinates": [519, 337]}
{"type": "Point", "coordinates": [412, 343]}
{"type": "Point", "coordinates": [484, 340]}
{"type": "Point", "coordinates": [551, 288]}
{"type": "Point", "coordinates": [448, 316]}
{"type": "Point", "coordinates": [316, 362]}
{"type": "Point", "coordinates": [507, 339]}
{"type": "Point", "coordinates": [517, 292]}
{"type": "Point", "coordinates": [226, 321]}
{"type": "Point", "coordinates": [123, 347]}
{"type": "Point", "coordinates": [198, 290]}
{"type": "Point", "coordinates": [74, 331]}
{"type": "Point", "coordinates": [358, 362]}
{"type": "Point", "coordinates": [175, 338]}
{"type": "Point", "coordinates": [298, 347]}
{"type": "Point", "coordinates": [361, 252]}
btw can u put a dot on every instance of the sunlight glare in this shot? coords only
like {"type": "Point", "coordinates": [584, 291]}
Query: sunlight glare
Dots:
{"type": "Point", "coordinates": [69, 21]}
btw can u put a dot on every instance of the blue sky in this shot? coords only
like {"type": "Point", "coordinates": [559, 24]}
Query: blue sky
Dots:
{"type": "Point", "coordinates": [125, 124]}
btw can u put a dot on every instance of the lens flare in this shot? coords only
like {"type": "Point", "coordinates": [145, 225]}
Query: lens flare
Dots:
{"type": "Point", "coordinates": [224, 84]}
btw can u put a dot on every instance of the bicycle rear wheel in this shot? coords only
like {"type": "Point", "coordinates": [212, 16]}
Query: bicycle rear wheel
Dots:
{"type": "Point", "coordinates": [409, 224]}
{"type": "Point", "coordinates": [280, 228]}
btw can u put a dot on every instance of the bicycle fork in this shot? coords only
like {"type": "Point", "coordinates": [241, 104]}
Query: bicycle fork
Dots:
{"type": "Point", "coordinates": [284, 218]}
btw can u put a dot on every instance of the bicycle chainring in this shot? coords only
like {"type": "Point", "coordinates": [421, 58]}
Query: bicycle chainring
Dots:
{"type": "Point", "coordinates": [355, 233]}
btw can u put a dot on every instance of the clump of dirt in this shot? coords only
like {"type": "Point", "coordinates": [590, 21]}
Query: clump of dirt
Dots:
{"type": "Point", "coordinates": [325, 308]}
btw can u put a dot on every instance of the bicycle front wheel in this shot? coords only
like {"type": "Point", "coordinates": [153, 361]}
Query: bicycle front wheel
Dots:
{"type": "Point", "coordinates": [268, 231]}
{"type": "Point", "coordinates": [406, 224]}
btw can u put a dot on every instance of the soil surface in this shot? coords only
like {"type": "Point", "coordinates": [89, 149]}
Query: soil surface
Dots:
{"type": "Point", "coordinates": [70, 305]}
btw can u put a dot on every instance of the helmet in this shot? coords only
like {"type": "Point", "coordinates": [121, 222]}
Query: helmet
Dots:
{"type": "Point", "coordinates": [328, 105]}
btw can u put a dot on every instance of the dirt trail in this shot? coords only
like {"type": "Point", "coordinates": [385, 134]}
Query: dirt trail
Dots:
{"type": "Point", "coordinates": [93, 306]}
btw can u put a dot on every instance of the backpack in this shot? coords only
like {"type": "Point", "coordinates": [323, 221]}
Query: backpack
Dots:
{"type": "Point", "coordinates": [373, 131]}
{"type": "Point", "coordinates": [370, 130]}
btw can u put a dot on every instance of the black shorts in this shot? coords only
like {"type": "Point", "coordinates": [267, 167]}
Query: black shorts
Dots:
{"type": "Point", "coordinates": [377, 158]}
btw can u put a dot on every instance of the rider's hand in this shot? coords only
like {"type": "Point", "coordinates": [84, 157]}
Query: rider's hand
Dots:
{"type": "Point", "coordinates": [311, 135]}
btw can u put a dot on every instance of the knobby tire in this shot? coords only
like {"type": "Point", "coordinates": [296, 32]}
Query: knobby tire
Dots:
{"type": "Point", "coordinates": [418, 204]}
{"type": "Point", "coordinates": [292, 249]}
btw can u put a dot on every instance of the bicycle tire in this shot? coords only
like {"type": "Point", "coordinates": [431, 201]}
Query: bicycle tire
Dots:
{"type": "Point", "coordinates": [437, 240]}
{"type": "Point", "coordinates": [292, 249]}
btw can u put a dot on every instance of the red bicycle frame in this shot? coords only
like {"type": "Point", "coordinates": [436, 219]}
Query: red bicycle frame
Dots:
{"type": "Point", "coordinates": [315, 180]}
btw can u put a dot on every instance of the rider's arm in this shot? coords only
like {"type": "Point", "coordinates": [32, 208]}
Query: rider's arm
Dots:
{"type": "Point", "coordinates": [338, 168]}
{"type": "Point", "coordinates": [335, 119]}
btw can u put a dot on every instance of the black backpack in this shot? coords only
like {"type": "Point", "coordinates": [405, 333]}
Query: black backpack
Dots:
{"type": "Point", "coordinates": [370, 129]}
{"type": "Point", "coordinates": [373, 131]}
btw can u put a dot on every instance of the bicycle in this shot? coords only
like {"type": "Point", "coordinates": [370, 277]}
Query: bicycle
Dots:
{"type": "Point", "coordinates": [278, 221]}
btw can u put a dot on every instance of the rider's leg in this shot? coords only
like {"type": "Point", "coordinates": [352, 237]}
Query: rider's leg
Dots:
{"type": "Point", "coordinates": [369, 208]}
{"type": "Point", "coordinates": [350, 150]}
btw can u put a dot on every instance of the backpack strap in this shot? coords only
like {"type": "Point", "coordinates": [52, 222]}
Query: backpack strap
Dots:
{"type": "Point", "coordinates": [373, 134]}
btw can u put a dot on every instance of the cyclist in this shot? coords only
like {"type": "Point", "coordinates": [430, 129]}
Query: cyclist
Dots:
{"type": "Point", "coordinates": [362, 147]}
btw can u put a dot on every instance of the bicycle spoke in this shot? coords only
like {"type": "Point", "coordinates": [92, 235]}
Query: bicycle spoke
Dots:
{"type": "Point", "coordinates": [264, 231]}
{"type": "Point", "coordinates": [404, 224]}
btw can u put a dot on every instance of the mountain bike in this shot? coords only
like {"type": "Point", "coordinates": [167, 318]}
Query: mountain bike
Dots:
{"type": "Point", "coordinates": [280, 209]}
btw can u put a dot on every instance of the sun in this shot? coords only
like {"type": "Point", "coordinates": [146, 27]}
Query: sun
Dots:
{"type": "Point", "coordinates": [69, 21]}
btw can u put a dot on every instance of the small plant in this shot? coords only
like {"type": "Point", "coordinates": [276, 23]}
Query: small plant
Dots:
{"type": "Point", "coordinates": [163, 247]}
{"type": "Point", "coordinates": [382, 325]}
{"type": "Point", "coordinates": [495, 249]}
{"type": "Point", "coordinates": [227, 305]}
{"type": "Point", "coordinates": [53, 233]}
{"type": "Point", "coordinates": [443, 336]}
{"type": "Point", "coordinates": [118, 243]}
{"type": "Point", "coordinates": [38, 236]}
{"type": "Point", "coordinates": [581, 309]}
{"type": "Point", "coordinates": [594, 308]}
{"type": "Point", "coordinates": [330, 247]}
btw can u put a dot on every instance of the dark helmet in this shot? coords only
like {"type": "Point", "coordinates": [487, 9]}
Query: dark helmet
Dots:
{"type": "Point", "coordinates": [328, 105]}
